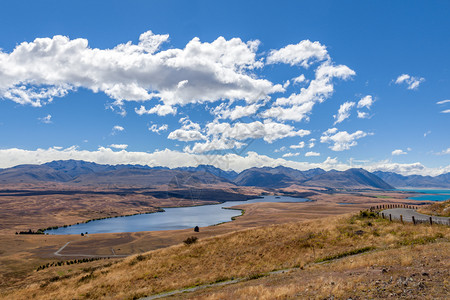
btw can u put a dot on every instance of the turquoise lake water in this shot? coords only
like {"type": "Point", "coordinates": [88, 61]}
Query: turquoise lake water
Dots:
{"type": "Point", "coordinates": [435, 195]}
{"type": "Point", "coordinates": [171, 219]}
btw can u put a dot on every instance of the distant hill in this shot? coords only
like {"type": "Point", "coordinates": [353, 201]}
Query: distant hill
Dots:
{"type": "Point", "coordinates": [415, 181]}
{"type": "Point", "coordinates": [284, 176]}
{"type": "Point", "coordinates": [229, 175]}
{"type": "Point", "coordinates": [351, 178]}
{"type": "Point", "coordinates": [88, 174]}
{"type": "Point", "coordinates": [275, 177]}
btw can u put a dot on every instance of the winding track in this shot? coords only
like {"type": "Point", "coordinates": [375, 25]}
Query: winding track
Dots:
{"type": "Point", "coordinates": [57, 253]}
{"type": "Point", "coordinates": [407, 215]}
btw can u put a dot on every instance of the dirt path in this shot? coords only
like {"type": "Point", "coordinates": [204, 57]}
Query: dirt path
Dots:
{"type": "Point", "coordinates": [57, 253]}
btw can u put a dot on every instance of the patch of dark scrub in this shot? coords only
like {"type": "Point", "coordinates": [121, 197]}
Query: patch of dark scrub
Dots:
{"type": "Point", "coordinates": [136, 203]}
{"type": "Point", "coordinates": [298, 195]}
{"type": "Point", "coordinates": [199, 194]}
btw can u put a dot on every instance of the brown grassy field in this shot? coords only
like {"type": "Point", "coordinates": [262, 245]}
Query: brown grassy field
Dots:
{"type": "Point", "coordinates": [250, 253]}
{"type": "Point", "coordinates": [437, 209]}
{"type": "Point", "coordinates": [20, 255]}
{"type": "Point", "coordinates": [414, 272]}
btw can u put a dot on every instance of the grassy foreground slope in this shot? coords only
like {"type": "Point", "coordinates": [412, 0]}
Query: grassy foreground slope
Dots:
{"type": "Point", "coordinates": [251, 253]}
{"type": "Point", "coordinates": [437, 209]}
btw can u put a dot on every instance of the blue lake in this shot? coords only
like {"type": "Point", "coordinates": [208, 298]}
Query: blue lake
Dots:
{"type": "Point", "coordinates": [172, 219]}
{"type": "Point", "coordinates": [435, 195]}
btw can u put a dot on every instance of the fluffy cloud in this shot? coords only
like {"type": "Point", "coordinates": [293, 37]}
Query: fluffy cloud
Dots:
{"type": "Point", "coordinates": [363, 115]}
{"type": "Point", "coordinates": [215, 144]}
{"type": "Point", "coordinates": [447, 111]}
{"type": "Point", "coordinates": [155, 128]}
{"type": "Point", "coordinates": [47, 119]}
{"type": "Point", "coordinates": [119, 146]}
{"type": "Point", "coordinates": [35, 72]}
{"type": "Point", "coordinates": [299, 79]}
{"type": "Point", "coordinates": [223, 111]}
{"type": "Point", "coordinates": [188, 132]}
{"type": "Point", "coordinates": [411, 81]}
{"type": "Point", "coordinates": [223, 136]}
{"type": "Point", "coordinates": [298, 106]}
{"type": "Point", "coordinates": [399, 152]}
{"type": "Point", "coordinates": [312, 153]}
{"type": "Point", "coordinates": [268, 130]}
{"type": "Point", "coordinates": [366, 101]}
{"type": "Point", "coordinates": [298, 146]}
{"type": "Point", "coordinates": [303, 54]}
{"type": "Point", "coordinates": [160, 110]}
{"type": "Point", "coordinates": [116, 129]}
{"type": "Point", "coordinates": [290, 154]}
{"type": "Point", "coordinates": [341, 140]}
{"type": "Point", "coordinates": [344, 112]}
{"type": "Point", "coordinates": [282, 149]}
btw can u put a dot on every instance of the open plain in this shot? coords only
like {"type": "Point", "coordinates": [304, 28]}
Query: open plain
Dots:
{"type": "Point", "coordinates": [21, 255]}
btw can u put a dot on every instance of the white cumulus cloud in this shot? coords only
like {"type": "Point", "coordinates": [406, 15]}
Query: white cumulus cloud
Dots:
{"type": "Point", "coordinates": [344, 111]}
{"type": "Point", "coordinates": [412, 82]}
{"type": "Point", "coordinates": [341, 140]}
{"type": "Point", "coordinates": [298, 146]}
{"type": "Point", "coordinates": [290, 154]}
{"type": "Point", "coordinates": [298, 106]}
{"type": "Point", "coordinates": [303, 54]}
{"type": "Point", "coordinates": [116, 129]}
{"type": "Point", "coordinates": [119, 146]}
{"type": "Point", "coordinates": [36, 72]}
{"type": "Point", "coordinates": [312, 153]}
{"type": "Point", "coordinates": [157, 129]}
{"type": "Point", "coordinates": [366, 101]}
{"type": "Point", "coordinates": [399, 152]}
{"type": "Point", "coordinates": [47, 119]}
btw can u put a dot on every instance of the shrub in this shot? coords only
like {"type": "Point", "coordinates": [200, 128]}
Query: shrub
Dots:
{"type": "Point", "coordinates": [190, 240]}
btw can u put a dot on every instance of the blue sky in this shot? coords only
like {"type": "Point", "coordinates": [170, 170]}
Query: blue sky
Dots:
{"type": "Point", "coordinates": [210, 82]}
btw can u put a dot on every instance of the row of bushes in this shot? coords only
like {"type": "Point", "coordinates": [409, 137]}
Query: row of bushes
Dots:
{"type": "Point", "coordinates": [68, 262]}
{"type": "Point", "coordinates": [39, 231]}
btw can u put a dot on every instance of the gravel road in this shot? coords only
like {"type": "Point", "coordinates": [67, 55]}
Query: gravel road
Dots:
{"type": "Point", "coordinates": [409, 213]}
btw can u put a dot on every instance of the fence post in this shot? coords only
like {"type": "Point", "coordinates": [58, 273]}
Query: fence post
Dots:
{"type": "Point", "coordinates": [390, 217]}
{"type": "Point", "coordinates": [382, 215]}
{"type": "Point", "coordinates": [401, 219]}
{"type": "Point", "coordinates": [431, 221]}
{"type": "Point", "coordinates": [414, 220]}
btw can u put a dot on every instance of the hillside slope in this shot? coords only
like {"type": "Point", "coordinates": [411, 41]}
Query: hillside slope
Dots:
{"type": "Point", "coordinates": [251, 253]}
{"type": "Point", "coordinates": [415, 181]}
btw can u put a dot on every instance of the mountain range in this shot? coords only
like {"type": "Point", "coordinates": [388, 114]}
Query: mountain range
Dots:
{"type": "Point", "coordinates": [415, 181]}
{"type": "Point", "coordinates": [89, 174]}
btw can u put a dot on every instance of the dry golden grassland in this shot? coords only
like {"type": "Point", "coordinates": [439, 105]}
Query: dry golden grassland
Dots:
{"type": "Point", "coordinates": [410, 272]}
{"type": "Point", "coordinates": [249, 254]}
{"type": "Point", "coordinates": [20, 255]}
{"type": "Point", "coordinates": [437, 209]}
